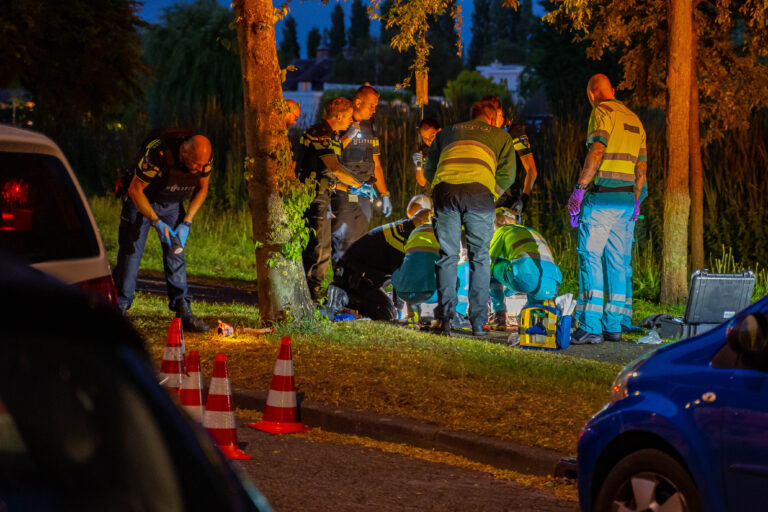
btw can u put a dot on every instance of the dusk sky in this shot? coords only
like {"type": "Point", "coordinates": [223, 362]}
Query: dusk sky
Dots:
{"type": "Point", "coordinates": [312, 13]}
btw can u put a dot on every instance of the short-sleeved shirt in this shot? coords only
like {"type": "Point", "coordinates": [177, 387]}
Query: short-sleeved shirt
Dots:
{"type": "Point", "coordinates": [358, 155]}
{"type": "Point", "coordinates": [168, 179]}
{"type": "Point", "coordinates": [318, 141]}
{"type": "Point", "coordinates": [381, 250]}
{"type": "Point", "coordinates": [620, 130]}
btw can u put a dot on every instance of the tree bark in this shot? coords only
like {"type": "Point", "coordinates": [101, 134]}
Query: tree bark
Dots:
{"type": "Point", "coordinates": [281, 284]}
{"type": "Point", "coordinates": [697, 171]}
{"type": "Point", "coordinates": [674, 267]}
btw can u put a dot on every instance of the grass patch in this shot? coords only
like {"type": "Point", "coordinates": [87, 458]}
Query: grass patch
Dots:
{"type": "Point", "coordinates": [536, 398]}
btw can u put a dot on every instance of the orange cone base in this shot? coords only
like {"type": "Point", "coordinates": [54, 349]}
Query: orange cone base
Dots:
{"type": "Point", "coordinates": [234, 453]}
{"type": "Point", "coordinates": [279, 427]}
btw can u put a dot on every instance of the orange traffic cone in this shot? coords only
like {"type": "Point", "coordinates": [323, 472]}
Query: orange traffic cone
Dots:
{"type": "Point", "coordinates": [281, 413]}
{"type": "Point", "coordinates": [192, 387]}
{"type": "Point", "coordinates": [172, 366]}
{"type": "Point", "coordinates": [218, 418]}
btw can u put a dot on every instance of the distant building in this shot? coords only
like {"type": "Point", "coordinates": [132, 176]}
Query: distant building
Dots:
{"type": "Point", "coordinates": [508, 74]}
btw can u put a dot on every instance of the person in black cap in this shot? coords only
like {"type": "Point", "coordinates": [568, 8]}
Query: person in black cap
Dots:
{"type": "Point", "coordinates": [174, 165]}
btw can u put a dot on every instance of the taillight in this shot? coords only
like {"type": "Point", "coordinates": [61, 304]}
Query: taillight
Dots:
{"type": "Point", "coordinates": [102, 286]}
{"type": "Point", "coordinates": [15, 192]}
{"type": "Point", "coordinates": [15, 215]}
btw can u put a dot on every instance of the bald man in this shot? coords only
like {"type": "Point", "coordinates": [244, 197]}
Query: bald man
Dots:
{"type": "Point", "coordinates": [617, 162]}
{"type": "Point", "coordinates": [174, 165]}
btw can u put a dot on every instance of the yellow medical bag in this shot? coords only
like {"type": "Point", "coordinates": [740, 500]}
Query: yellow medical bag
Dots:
{"type": "Point", "coordinates": [538, 327]}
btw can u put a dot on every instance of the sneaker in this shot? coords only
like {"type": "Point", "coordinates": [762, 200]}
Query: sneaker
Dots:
{"type": "Point", "coordinates": [582, 337]}
{"type": "Point", "coordinates": [188, 319]}
{"type": "Point", "coordinates": [612, 336]}
{"type": "Point", "coordinates": [631, 329]}
{"type": "Point", "coordinates": [460, 323]}
{"type": "Point", "coordinates": [498, 321]}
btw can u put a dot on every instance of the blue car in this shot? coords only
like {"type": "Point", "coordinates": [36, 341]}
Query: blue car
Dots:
{"type": "Point", "coordinates": [687, 426]}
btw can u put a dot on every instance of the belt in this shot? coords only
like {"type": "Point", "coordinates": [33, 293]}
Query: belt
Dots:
{"type": "Point", "coordinates": [599, 189]}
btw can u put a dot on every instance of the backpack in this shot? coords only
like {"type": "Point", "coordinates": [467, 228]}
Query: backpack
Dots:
{"type": "Point", "coordinates": [125, 175]}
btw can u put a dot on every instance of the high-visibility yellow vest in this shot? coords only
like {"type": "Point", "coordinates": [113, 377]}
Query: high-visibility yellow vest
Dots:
{"type": "Point", "coordinates": [622, 133]}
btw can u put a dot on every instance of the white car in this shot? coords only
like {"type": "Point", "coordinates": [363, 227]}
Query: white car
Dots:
{"type": "Point", "coordinates": [44, 216]}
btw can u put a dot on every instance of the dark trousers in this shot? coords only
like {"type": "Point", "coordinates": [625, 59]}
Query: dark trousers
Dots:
{"type": "Point", "coordinates": [350, 221]}
{"type": "Point", "coordinates": [366, 294]}
{"type": "Point", "coordinates": [317, 254]}
{"type": "Point", "coordinates": [472, 208]}
{"type": "Point", "coordinates": [131, 238]}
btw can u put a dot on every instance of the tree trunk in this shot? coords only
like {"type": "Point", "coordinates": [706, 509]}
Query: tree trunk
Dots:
{"type": "Point", "coordinates": [282, 287]}
{"type": "Point", "coordinates": [697, 172]}
{"type": "Point", "coordinates": [674, 265]}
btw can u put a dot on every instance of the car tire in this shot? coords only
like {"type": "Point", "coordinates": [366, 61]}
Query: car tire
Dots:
{"type": "Point", "coordinates": [646, 478]}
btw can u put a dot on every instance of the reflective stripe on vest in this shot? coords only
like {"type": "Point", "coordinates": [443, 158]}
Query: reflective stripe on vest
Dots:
{"type": "Point", "coordinates": [467, 161]}
{"type": "Point", "coordinates": [392, 237]}
{"type": "Point", "coordinates": [423, 240]}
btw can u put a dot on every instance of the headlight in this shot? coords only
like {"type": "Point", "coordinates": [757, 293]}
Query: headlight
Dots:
{"type": "Point", "coordinates": [619, 386]}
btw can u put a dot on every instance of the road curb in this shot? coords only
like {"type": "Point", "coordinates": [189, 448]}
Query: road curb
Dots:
{"type": "Point", "coordinates": [488, 450]}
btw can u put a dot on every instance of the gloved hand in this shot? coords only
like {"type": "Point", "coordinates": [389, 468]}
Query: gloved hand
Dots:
{"type": "Point", "coordinates": [521, 203]}
{"type": "Point", "coordinates": [353, 130]}
{"type": "Point", "coordinates": [386, 206]}
{"type": "Point", "coordinates": [182, 231]}
{"type": "Point", "coordinates": [574, 206]}
{"type": "Point", "coordinates": [164, 231]}
{"type": "Point", "coordinates": [636, 212]}
{"type": "Point", "coordinates": [418, 159]}
{"type": "Point", "coordinates": [364, 190]}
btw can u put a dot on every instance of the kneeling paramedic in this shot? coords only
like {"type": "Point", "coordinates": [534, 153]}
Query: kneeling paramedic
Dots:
{"type": "Point", "coordinates": [370, 261]}
{"type": "Point", "coordinates": [173, 166]}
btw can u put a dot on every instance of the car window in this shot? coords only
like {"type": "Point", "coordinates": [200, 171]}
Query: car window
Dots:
{"type": "Point", "coordinates": [76, 434]}
{"type": "Point", "coordinates": [42, 217]}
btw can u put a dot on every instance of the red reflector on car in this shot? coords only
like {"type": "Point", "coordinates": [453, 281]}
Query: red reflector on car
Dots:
{"type": "Point", "coordinates": [15, 192]}
{"type": "Point", "coordinates": [102, 286]}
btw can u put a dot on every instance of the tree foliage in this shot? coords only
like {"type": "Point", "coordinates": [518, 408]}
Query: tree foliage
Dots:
{"type": "Point", "coordinates": [314, 38]}
{"type": "Point", "coordinates": [289, 46]}
{"type": "Point", "coordinates": [80, 58]}
{"type": "Point", "coordinates": [337, 34]}
{"type": "Point", "coordinates": [469, 87]}
{"type": "Point", "coordinates": [359, 24]}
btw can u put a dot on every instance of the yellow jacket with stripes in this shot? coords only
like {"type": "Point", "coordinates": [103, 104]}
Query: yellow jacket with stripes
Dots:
{"type": "Point", "coordinates": [622, 133]}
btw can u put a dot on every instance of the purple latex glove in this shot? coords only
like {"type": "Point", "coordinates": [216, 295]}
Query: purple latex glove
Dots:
{"type": "Point", "coordinates": [636, 212]}
{"type": "Point", "coordinates": [574, 206]}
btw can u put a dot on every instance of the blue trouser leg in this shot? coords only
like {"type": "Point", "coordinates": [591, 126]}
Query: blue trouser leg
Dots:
{"type": "Point", "coordinates": [593, 235]}
{"type": "Point", "coordinates": [448, 233]}
{"type": "Point", "coordinates": [497, 295]}
{"type": "Point", "coordinates": [462, 291]}
{"type": "Point", "coordinates": [615, 275]}
{"type": "Point", "coordinates": [626, 317]}
{"type": "Point", "coordinates": [479, 231]}
{"type": "Point", "coordinates": [131, 238]}
{"type": "Point", "coordinates": [175, 265]}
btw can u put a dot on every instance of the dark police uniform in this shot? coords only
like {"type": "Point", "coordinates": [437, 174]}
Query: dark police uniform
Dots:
{"type": "Point", "coordinates": [317, 141]}
{"type": "Point", "coordinates": [522, 145]}
{"type": "Point", "coordinates": [352, 213]}
{"type": "Point", "coordinates": [368, 264]}
{"type": "Point", "coordinates": [169, 184]}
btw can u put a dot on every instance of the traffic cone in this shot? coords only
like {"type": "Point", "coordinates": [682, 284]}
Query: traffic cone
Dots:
{"type": "Point", "coordinates": [281, 413]}
{"type": "Point", "coordinates": [218, 418]}
{"type": "Point", "coordinates": [172, 366]}
{"type": "Point", "coordinates": [192, 387]}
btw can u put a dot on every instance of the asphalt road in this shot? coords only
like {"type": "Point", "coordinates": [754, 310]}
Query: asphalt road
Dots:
{"type": "Point", "coordinates": [295, 473]}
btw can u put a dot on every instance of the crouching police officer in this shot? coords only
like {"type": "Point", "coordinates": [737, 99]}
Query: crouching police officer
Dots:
{"type": "Point", "coordinates": [173, 166]}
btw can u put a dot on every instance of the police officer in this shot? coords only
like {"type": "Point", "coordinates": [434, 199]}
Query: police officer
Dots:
{"type": "Point", "coordinates": [370, 261]}
{"type": "Point", "coordinates": [174, 166]}
{"type": "Point", "coordinates": [468, 164]}
{"type": "Point", "coordinates": [352, 206]}
{"type": "Point", "coordinates": [321, 149]}
{"type": "Point", "coordinates": [521, 261]}
{"type": "Point", "coordinates": [523, 149]}
{"type": "Point", "coordinates": [428, 130]}
{"type": "Point", "coordinates": [617, 161]}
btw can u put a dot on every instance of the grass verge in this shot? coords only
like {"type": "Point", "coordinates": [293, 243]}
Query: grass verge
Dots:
{"type": "Point", "coordinates": [535, 398]}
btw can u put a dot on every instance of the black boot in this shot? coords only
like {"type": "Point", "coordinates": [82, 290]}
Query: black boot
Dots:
{"type": "Point", "coordinates": [188, 318]}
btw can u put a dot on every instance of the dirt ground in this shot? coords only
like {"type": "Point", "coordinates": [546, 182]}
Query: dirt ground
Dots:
{"type": "Point", "coordinates": [295, 473]}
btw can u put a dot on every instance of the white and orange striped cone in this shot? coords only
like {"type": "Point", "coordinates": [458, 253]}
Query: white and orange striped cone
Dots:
{"type": "Point", "coordinates": [172, 366]}
{"type": "Point", "coordinates": [281, 415]}
{"type": "Point", "coordinates": [219, 418]}
{"type": "Point", "coordinates": [191, 394]}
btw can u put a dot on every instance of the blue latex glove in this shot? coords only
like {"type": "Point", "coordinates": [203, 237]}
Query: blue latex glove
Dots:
{"type": "Point", "coordinates": [636, 212]}
{"type": "Point", "coordinates": [364, 190]}
{"type": "Point", "coordinates": [165, 232]}
{"type": "Point", "coordinates": [418, 159]}
{"type": "Point", "coordinates": [574, 206]}
{"type": "Point", "coordinates": [182, 231]}
{"type": "Point", "coordinates": [353, 131]}
{"type": "Point", "coordinates": [386, 206]}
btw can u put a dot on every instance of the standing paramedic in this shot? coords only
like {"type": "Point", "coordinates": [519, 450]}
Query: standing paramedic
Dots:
{"type": "Point", "coordinates": [173, 167]}
{"type": "Point", "coordinates": [321, 148]}
{"type": "Point", "coordinates": [617, 159]}
{"type": "Point", "coordinates": [469, 164]}
{"type": "Point", "coordinates": [351, 206]}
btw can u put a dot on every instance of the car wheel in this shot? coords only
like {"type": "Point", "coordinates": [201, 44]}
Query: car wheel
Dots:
{"type": "Point", "coordinates": [648, 480]}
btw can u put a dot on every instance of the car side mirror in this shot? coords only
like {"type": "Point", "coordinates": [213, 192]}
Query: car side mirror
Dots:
{"type": "Point", "coordinates": [749, 336]}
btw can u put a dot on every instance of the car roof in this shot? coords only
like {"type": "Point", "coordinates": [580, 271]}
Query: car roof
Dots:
{"type": "Point", "coordinates": [18, 140]}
